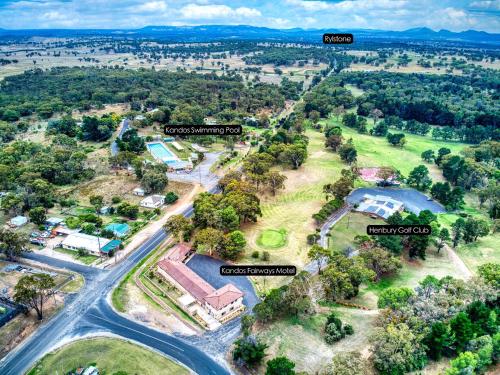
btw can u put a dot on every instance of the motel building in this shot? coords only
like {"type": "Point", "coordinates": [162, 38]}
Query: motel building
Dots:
{"type": "Point", "coordinates": [200, 299]}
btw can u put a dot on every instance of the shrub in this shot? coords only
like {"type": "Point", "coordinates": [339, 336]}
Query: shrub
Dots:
{"type": "Point", "coordinates": [332, 334]}
{"type": "Point", "coordinates": [255, 254]}
{"type": "Point", "coordinates": [348, 330]}
{"type": "Point", "coordinates": [171, 197]}
{"type": "Point", "coordinates": [116, 199]}
{"type": "Point", "coordinates": [266, 256]}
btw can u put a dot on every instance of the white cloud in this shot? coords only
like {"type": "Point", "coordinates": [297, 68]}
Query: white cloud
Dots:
{"type": "Point", "coordinates": [193, 11]}
{"type": "Point", "coordinates": [150, 6]}
{"type": "Point", "coordinates": [486, 5]}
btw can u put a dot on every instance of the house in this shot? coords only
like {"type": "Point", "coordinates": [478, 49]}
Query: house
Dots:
{"type": "Point", "coordinates": [222, 304]}
{"type": "Point", "coordinates": [179, 252]}
{"type": "Point", "coordinates": [76, 241]}
{"type": "Point", "coordinates": [111, 246]}
{"type": "Point", "coordinates": [210, 121]}
{"type": "Point", "coordinates": [153, 201]}
{"type": "Point", "coordinates": [194, 156]}
{"type": "Point", "coordinates": [91, 371]}
{"type": "Point", "coordinates": [18, 221]}
{"type": "Point", "coordinates": [379, 205]}
{"type": "Point", "coordinates": [53, 221]}
{"type": "Point", "coordinates": [138, 191]}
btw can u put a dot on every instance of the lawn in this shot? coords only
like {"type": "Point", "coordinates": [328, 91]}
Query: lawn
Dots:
{"type": "Point", "coordinates": [74, 285]}
{"type": "Point", "coordinates": [343, 233]}
{"type": "Point", "coordinates": [376, 151]}
{"type": "Point", "coordinates": [109, 356]}
{"type": "Point", "coordinates": [272, 238]}
{"type": "Point", "coordinates": [484, 250]}
{"type": "Point", "coordinates": [87, 259]}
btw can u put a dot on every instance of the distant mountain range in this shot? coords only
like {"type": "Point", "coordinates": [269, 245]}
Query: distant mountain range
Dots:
{"type": "Point", "coordinates": [244, 32]}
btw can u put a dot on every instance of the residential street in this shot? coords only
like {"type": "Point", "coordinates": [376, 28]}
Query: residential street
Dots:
{"type": "Point", "coordinates": [90, 313]}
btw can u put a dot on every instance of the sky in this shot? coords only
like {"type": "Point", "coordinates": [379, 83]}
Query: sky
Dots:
{"type": "Point", "coordinates": [455, 15]}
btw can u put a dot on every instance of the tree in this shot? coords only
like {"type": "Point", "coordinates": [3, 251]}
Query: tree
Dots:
{"type": "Point", "coordinates": [314, 116]}
{"type": "Point", "coordinates": [275, 180]}
{"type": "Point", "coordinates": [209, 239]}
{"type": "Point", "coordinates": [458, 228]}
{"type": "Point", "coordinates": [483, 347]}
{"type": "Point", "coordinates": [464, 364]}
{"type": "Point", "coordinates": [441, 153]}
{"type": "Point", "coordinates": [461, 328]}
{"type": "Point", "coordinates": [128, 210]}
{"type": "Point", "coordinates": [419, 178]}
{"type": "Point", "coordinates": [386, 174]}
{"type": "Point", "coordinates": [428, 156]}
{"type": "Point", "coordinates": [280, 366]}
{"type": "Point", "coordinates": [490, 272]}
{"type": "Point", "coordinates": [438, 340]}
{"type": "Point", "coordinates": [233, 245]}
{"type": "Point", "coordinates": [397, 350]}
{"type": "Point", "coordinates": [375, 114]}
{"type": "Point", "coordinates": [96, 201]}
{"type": "Point", "coordinates": [37, 215]}
{"type": "Point", "coordinates": [349, 120]}
{"type": "Point", "coordinates": [12, 244]}
{"type": "Point", "coordinates": [394, 297]}
{"type": "Point", "coordinates": [334, 142]}
{"type": "Point", "coordinates": [178, 225]}
{"type": "Point", "coordinates": [154, 181]}
{"type": "Point", "coordinates": [397, 139]}
{"type": "Point", "coordinates": [171, 197]}
{"type": "Point", "coordinates": [333, 333]}
{"type": "Point", "coordinates": [32, 290]}
{"type": "Point", "coordinates": [247, 322]}
{"type": "Point", "coordinates": [475, 228]}
{"type": "Point", "coordinates": [249, 351]}
{"type": "Point", "coordinates": [318, 254]}
{"type": "Point", "coordinates": [443, 237]}
{"type": "Point", "coordinates": [380, 130]}
{"type": "Point", "coordinates": [380, 261]}
{"type": "Point", "coordinates": [346, 363]}
{"type": "Point", "coordinates": [293, 154]}
{"type": "Point", "coordinates": [348, 152]}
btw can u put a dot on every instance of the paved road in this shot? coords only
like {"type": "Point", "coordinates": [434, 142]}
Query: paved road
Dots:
{"type": "Point", "coordinates": [201, 173]}
{"type": "Point", "coordinates": [124, 127]}
{"type": "Point", "coordinates": [90, 312]}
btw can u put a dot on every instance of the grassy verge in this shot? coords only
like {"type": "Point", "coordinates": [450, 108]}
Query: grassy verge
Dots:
{"type": "Point", "coordinates": [110, 356]}
{"type": "Point", "coordinates": [343, 233]}
{"type": "Point", "coordinates": [87, 259]}
{"type": "Point", "coordinates": [74, 285]}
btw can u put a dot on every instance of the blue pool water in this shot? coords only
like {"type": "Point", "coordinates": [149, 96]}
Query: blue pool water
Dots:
{"type": "Point", "coordinates": [161, 152]}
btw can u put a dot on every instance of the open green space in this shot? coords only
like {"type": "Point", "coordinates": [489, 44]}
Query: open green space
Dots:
{"type": "Point", "coordinates": [342, 234]}
{"type": "Point", "coordinates": [109, 356]}
{"type": "Point", "coordinates": [87, 259]}
{"type": "Point", "coordinates": [74, 285]}
{"type": "Point", "coordinates": [376, 151]}
{"type": "Point", "coordinates": [272, 238]}
{"type": "Point", "coordinates": [484, 250]}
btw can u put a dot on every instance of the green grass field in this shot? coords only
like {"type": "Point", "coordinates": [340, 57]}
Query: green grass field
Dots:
{"type": "Point", "coordinates": [272, 238]}
{"type": "Point", "coordinates": [343, 233]}
{"type": "Point", "coordinates": [109, 356]}
{"type": "Point", "coordinates": [376, 151]}
{"type": "Point", "coordinates": [485, 250]}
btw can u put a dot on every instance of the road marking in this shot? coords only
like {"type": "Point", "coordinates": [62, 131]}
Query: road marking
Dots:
{"type": "Point", "coordinates": [134, 330]}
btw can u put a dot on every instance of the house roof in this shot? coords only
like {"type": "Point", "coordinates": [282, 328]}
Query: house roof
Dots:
{"type": "Point", "coordinates": [154, 199]}
{"type": "Point", "coordinates": [85, 241]}
{"type": "Point", "coordinates": [223, 296]}
{"type": "Point", "coordinates": [19, 220]}
{"type": "Point", "coordinates": [179, 252]}
{"type": "Point", "coordinates": [189, 280]}
{"type": "Point", "coordinates": [112, 245]}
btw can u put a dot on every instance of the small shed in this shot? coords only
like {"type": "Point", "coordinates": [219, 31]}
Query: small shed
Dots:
{"type": "Point", "coordinates": [111, 246]}
{"type": "Point", "coordinates": [139, 191]}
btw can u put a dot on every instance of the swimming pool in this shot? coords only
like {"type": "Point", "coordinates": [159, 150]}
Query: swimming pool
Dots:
{"type": "Point", "coordinates": [161, 152]}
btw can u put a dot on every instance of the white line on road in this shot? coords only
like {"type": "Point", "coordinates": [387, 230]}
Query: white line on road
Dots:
{"type": "Point", "coordinates": [134, 330]}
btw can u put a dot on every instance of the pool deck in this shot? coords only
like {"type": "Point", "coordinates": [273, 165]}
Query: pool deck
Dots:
{"type": "Point", "coordinates": [171, 158]}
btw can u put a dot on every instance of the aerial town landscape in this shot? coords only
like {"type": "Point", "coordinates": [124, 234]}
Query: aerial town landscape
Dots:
{"type": "Point", "coordinates": [345, 223]}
